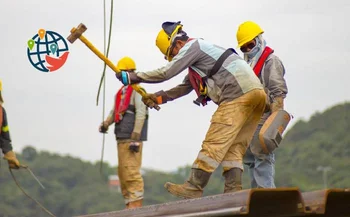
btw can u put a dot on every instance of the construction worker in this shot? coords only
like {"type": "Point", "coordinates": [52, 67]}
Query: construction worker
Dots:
{"type": "Point", "coordinates": [270, 70]}
{"type": "Point", "coordinates": [5, 139]}
{"type": "Point", "coordinates": [130, 116]}
{"type": "Point", "coordinates": [215, 74]}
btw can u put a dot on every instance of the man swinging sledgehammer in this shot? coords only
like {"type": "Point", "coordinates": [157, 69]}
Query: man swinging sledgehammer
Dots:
{"type": "Point", "coordinates": [215, 74]}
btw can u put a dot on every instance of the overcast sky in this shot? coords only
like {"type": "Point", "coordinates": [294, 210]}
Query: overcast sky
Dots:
{"type": "Point", "coordinates": [57, 112]}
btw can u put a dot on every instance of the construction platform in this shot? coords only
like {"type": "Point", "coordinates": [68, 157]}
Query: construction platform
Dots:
{"type": "Point", "coordinates": [286, 202]}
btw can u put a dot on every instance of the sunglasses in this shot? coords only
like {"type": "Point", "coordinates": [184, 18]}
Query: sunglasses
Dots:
{"type": "Point", "coordinates": [247, 46]}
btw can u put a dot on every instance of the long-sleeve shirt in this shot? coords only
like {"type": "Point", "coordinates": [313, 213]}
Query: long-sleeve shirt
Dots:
{"type": "Point", "coordinates": [272, 77]}
{"type": "Point", "coordinates": [234, 78]}
{"type": "Point", "coordinates": [141, 112]}
{"type": "Point", "coordinates": [5, 139]}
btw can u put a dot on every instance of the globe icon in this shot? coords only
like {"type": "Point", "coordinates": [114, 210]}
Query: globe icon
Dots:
{"type": "Point", "coordinates": [47, 51]}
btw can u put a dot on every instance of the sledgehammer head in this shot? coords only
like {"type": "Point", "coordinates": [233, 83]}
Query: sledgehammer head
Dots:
{"type": "Point", "coordinates": [76, 33]}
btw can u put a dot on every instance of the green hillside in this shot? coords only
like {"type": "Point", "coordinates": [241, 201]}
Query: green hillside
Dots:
{"type": "Point", "coordinates": [75, 187]}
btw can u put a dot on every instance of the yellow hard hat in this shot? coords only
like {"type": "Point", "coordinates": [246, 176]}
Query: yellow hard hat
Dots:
{"type": "Point", "coordinates": [0, 85]}
{"type": "Point", "coordinates": [126, 64]}
{"type": "Point", "coordinates": [166, 36]}
{"type": "Point", "coordinates": [247, 31]}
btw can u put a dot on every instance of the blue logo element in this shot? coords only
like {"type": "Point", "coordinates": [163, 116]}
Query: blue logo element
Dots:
{"type": "Point", "coordinates": [47, 51]}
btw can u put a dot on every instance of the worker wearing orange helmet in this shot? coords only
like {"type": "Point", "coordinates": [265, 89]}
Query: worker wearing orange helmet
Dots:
{"type": "Point", "coordinates": [269, 69]}
{"type": "Point", "coordinates": [5, 139]}
{"type": "Point", "coordinates": [218, 75]}
{"type": "Point", "coordinates": [130, 116]}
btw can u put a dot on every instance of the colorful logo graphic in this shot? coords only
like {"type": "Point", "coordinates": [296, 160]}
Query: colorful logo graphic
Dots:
{"type": "Point", "coordinates": [47, 51]}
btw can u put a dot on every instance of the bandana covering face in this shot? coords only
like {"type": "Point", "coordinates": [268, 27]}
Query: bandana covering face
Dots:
{"type": "Point", "coordinates": [254, 54]}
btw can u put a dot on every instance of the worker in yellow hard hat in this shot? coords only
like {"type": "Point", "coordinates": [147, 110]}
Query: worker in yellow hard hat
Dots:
{"type": "Point", "coordinates": [270, 70]}
{"type": "Point", "coordinates": [130, 116]}
{"type": "Point", "coordinates": [216, 74]}
{"type": "Point", "coordinates": [5, 139]}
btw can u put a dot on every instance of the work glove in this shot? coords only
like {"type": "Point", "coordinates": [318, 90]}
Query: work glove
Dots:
{"type": "Point", "coordinates": [276, 104]}
{"type": "Point", "coordinates": [151, 100]}
{"type": "Point", "coordinates": [12, 160]}
{"type": "Point", "coordinates": [103, 127]}
{"type": "Point", "coordinates": [135, 136]}
{"type": "Point", "coordinates": [134, 147]}
{"type": "Point", "coordinates": [128, 77]}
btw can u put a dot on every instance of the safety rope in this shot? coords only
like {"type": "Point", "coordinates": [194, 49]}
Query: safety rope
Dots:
{"type": "Point", "coordinates": [103, 79]}
{"type": "Point", "coordinates": [25, 193]}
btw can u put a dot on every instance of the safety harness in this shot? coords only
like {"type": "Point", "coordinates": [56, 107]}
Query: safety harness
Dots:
{"type": "Point", "coordinates": [259, 65]}
{"type": "Point", "coordinates": [122, 101]}
{"type": "Point", "coordinates": [199, 83]}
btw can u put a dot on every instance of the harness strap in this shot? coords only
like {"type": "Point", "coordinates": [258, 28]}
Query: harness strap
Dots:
{"type": "Point", "coordinates": [259, 65]}
{"type": "Point", "coordinates": [220, 61]}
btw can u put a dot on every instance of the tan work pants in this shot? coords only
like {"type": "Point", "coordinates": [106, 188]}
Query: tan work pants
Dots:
{"type": "Point", "coordinates": [129, 165]}
{"type": "Point", "coordinates": [231, 130]}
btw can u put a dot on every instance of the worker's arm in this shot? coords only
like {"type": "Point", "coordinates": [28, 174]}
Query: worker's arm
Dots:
{"type": "Point", "coordinates": [186, 57]}
{"type": "Point", "coordinates": [174, 93]}
{"type": "Point", "coordinates": [274, 81]}
{"type": "Point", "coordinates": [152, 100]}
{"type": "Point", "coordinates": [103, 128]}
{"type": "Point", "coordinates": [140, 116]}
{"type": "Point", "coordinates": [110, 118]}
{"type": "Point", "coordinates": [5, 139]}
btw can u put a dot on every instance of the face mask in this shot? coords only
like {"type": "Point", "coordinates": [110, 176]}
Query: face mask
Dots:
{"type": "Point", "coordinates": [251, 54]}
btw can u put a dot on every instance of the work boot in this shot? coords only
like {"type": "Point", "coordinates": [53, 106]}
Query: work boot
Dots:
{"type": "Point", "coordinates": [233, 180]}
{"type": "Point", "coordinates": [134, 204]}
{"type": "Point", "coordinates": [193, 187]}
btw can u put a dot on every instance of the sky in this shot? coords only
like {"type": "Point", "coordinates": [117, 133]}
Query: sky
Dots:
{"type": "Point", "coordinates": [57, 111]}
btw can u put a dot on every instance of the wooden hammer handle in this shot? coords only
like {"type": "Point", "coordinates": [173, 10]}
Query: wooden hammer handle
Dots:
{"type": "Point", "coordinates": [136, 87]}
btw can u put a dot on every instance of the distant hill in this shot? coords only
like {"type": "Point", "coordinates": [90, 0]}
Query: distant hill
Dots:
{"type": "Point", "coordinates": [323, 141]}
{"type": "Point", "coordinates": [75, 187]}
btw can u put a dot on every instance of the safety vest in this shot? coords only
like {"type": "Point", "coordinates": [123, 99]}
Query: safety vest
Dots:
{"type": "Point", "coordinates": [122, 101]}
{"type": "Point", "coordinates": [259, 65]}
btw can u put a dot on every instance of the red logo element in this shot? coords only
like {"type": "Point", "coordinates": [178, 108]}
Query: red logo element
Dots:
{"type": "Point", "coordinates": [56, 63]}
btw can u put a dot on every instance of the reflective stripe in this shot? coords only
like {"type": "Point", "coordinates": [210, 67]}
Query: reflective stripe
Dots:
{"type": "Point", "coordinates": [138, 194]}
{"type": "Point", "coordinates": [130, 112]}
{"type": "Point", "coordinates": [232, 164]}
{"type": "Point", "coordinates": [210, 161]}
{"type": "Point", "coordinates": [5, 129]}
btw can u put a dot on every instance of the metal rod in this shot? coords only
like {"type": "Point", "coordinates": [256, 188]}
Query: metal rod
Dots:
{"type": "Point", "coordinates": [212, 213]}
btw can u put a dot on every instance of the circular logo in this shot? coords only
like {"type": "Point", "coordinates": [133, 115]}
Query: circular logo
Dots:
{"type": "Point", "coordinates": [47, 51]}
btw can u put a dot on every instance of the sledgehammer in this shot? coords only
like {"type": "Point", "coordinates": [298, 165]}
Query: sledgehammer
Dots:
{"type": "Point", "coordinates": [78, 33]}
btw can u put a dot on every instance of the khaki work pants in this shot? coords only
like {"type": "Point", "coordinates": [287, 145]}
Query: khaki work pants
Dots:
{"type": "Point", "coordinates": [231, 130]}
{"type": "Point", "coordinates": [129, 165]}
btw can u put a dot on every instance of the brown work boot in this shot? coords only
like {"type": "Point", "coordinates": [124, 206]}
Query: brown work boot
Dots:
{"type": "Point", "coordinates": [193, 187]}
{"type": "Point", "coordinates": [233, 180]}
{"type": "Point", "coordinates": [134, 204]}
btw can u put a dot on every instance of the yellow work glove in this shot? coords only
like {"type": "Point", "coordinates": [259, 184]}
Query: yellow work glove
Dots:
{"type": "Point", "coordinates": [12, 160]}
{"type": "Point", "coordinates": [276, 104]}
{"type": "Point", "coordinates": [151, 100]}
